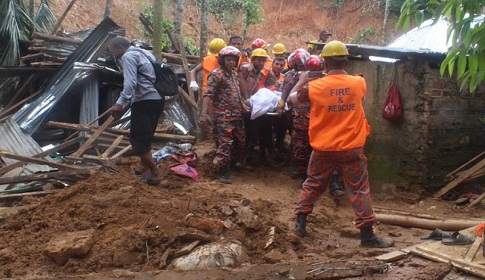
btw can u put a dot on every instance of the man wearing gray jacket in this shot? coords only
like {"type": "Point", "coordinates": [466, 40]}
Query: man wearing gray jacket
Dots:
{"type": "Point", "coordinates": [146, 103]}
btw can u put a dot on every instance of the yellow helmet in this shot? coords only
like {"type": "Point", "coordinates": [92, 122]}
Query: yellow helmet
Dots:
{"type": "Point", "coordinates": [311, 46]}
{"type": "Point", "coordinates": [259, 53]}
{"type": "Point", "coordinates": [279, 48]}
{"type": "Point", "coordinates": [215, 46]}
{"type": "Point", "coordinates": [335, 49]}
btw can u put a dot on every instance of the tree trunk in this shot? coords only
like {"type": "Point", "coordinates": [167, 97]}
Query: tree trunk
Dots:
{"type": "Point", "coordinates": [246, 25]}
{"type": "Point", "coordinates": [386, 15]}
{"type": "Point", "coordinates": [107, 8]}
{"type": "Point", "coordinates": [158, 8]}
{"type": "Point", "coordinates": [204, 10]}
{"type": "Point", "coordinates": [179, 17]}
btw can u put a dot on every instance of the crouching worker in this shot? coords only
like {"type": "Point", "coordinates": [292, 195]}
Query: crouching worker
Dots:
{"type": "Point", "coordinates": [223, 93]}
{"type": "Point", "coordinates": [338, 130]}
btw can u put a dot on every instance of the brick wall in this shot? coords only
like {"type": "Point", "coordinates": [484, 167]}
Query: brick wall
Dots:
{"type": "Point", "coordinates": [442, 127]}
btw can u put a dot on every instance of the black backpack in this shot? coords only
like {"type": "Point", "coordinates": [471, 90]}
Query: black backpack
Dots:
{"type": "Point", "coordinates": [166, 80]}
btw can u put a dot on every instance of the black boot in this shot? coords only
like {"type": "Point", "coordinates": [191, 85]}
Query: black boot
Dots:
{"type": "Point", "coordinates": [224, 175]}
{"type": "Point", "coordinates": [335, 188]}
{"type": "Point", "coordinates": [300, 227]}
{"type": "Point", "coordinates": [369, 240]}
{"type": "Point", "coordinates": [234, 169]}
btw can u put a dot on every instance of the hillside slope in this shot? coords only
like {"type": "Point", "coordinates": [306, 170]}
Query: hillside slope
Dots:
{"type": "Point", "coordinates": [291, 22]}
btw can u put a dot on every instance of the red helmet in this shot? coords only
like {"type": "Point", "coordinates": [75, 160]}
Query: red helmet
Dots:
{"type": "Point", "coordinates": [313, 63]}
{"type": "Point", "coordinates": [259, 43]}
{"type": "Point", "coordinates": [230, 50]}
{"type": "Point", "coordinates": [299, 58]}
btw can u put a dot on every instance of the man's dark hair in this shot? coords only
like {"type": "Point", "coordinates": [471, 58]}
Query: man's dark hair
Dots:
{"type": "Point", "coordinates": [335, 63]}
{"type": "Point", "coordinates": [120, 42]}
{"type": "Point", "coordinates": [235, 37]}
{"type": "Point", "coordinates": [279, 58]}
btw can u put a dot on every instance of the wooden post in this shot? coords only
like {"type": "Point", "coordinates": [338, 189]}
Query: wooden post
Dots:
{"type": "Point", "coordinates": [61, 19]}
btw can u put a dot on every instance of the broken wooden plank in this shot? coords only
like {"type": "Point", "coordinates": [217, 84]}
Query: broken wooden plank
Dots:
{"type": "Point", "coordinates": [401, 253]}
{"type": "Point", "coordinates": [477, 201]}
{"type": "Point", "coordinates": [21, 102]}
{"type": "Point", "coordinates": [38, 161]}
{"type": "Point", "coordinates": [465, 165]}
{"type": "Point", "coordinates": [95, 135]}
{"type": "Point", "coordinates": [186, 249]}
{"type": "Point", "coordinates": [55, 149]}
{"type": "Point", "coordinates": [473, 250]}
{"type": "Point", "coordinates": [45, 176]}
{"type": "Point", "coordinates": [120, 153]}
{"type": "Point", "coordinates": [17, 196]}
{"type": "Point", "coordinates": [165, 256]}
{"type": "Point", "coordinates": [112, 147]}
{"type": "Point", "coordinates": [460, 179]}
{"type": "Point", "coordinates": [473, 268]}
{"type": "Point", "coordinates": [57, 39]}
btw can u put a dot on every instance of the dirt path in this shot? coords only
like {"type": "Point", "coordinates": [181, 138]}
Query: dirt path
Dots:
{"type": "Point", "coordinates": [134, 224]}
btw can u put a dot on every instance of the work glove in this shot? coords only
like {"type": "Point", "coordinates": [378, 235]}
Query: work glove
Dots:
{"type": "Point", "coordinates": [194, 86]}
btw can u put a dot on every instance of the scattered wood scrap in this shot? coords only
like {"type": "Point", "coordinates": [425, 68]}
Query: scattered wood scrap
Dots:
{"type": "Point", "coordinates": [464, 257]}
{"type": "Point", "coordinates": [472, 169]}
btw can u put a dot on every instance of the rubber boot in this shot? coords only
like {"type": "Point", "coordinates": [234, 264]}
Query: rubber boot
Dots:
{"type": "Point", "coordinates": [335, 188]}
{"type": "Point", "coordinates": [300, 227]}
{"type": "Point", "coordinates": [369, 240]}
{"type": "Point", "coordinates": [224, 175]}
{"type": "Point", "coordinates": [234, 169]}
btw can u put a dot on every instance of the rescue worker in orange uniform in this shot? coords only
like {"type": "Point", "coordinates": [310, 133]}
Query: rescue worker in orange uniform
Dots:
{"type": "Point", "coordinates": [209, 63]}
{"type": "Point", "coordinates": [258, 130]}
{"type": "Point", "coordinates": [338, 131]}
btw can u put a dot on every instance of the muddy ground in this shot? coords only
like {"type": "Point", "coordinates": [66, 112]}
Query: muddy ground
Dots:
{"type": "Point", "coordinates": [133, 224]}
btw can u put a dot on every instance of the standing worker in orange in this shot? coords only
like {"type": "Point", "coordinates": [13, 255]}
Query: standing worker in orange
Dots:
{"type": "Point", "coordinates": [255, 78]}
{"type": "Point", "coordinates": [338, 131]}
{"type": "Point", "coordinates": [209, 63]}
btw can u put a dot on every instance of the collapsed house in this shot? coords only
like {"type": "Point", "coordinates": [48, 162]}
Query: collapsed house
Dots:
{"type": "Point", "coordinates": [71, 79]}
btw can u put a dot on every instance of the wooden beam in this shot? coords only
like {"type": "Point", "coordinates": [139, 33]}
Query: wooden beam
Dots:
{"type": "Point", "coordinates": [55, 149]}
{"type": "Point", "coordinates": [44, 176]}
{"type": "Point", "coordinates": [38, 161]}
{"type": "Point", "coordinates": [17, 196]}
{"type": "Point", "coordinates": [5, 112]}
{"type": "Point", "coordinates": [465, 175]}
{"type": "Point", "coordinates": [120, 153]}
{"type": "Point", "coordinates": [465, 165]}
{"type": "Point", "coordinates": [157, 135]}
{"type": "Point", "coordinates": [61, 19]}
{"type": "Point", "coordinates": [90, 141]}
{"type": "Point", "coordinates": [406, 221]}
{"type": "Point", "coordinates": [52, 38]}
{"type": "Point", "coordinates": [112, 147]}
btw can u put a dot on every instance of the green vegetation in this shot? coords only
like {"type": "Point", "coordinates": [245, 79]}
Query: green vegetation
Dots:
{"type": "Point", "coordinates": [466, 57]}
{"type": "Point", "coordinates": [229, 11]}
{"type": "Point", "coordinates": [364, 36]}
{"type": "Point", "coordinates": [167, 25]}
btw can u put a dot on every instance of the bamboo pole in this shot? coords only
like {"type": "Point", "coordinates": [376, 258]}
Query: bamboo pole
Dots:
{"type": "Point", "coordinates": [407, 221]}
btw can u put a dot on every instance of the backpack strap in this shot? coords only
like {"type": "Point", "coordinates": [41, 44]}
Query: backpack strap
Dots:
{"type": "Point", "coordinates": [151, 61]}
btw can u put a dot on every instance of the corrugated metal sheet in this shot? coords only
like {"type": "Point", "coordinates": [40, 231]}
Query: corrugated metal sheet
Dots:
{"type": "Point", "coordinates": [90, 99]}
{"type": "Point", "coordinates": [31, 116]}
{"type": "Point", "coordinates": [16, 141]}
{"type": "Point", "coordinates": [428, 37]}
